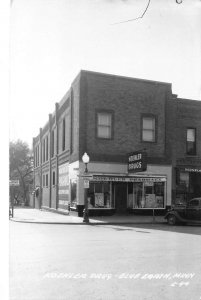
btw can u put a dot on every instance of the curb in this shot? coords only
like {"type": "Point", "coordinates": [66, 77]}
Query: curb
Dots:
{"type": "Point", "coordinates": [90, 223]}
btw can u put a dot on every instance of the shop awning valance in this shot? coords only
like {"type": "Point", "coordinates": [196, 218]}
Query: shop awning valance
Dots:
{"type": "Point", "coordinates": [103, 178]}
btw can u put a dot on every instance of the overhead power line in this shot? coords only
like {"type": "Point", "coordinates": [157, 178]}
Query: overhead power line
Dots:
{"type": "Point", "coordinates": [130, 20]}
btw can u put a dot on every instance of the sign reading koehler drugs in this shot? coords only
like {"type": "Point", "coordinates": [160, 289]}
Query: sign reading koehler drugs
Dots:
{"type": "Point", "coordinates": [137, 162]}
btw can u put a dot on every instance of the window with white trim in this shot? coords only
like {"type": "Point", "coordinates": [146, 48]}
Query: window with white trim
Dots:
{"type": "Point", "coordinates": [104, 125]}
{"type": "Point", "coordinates": [148, 129]}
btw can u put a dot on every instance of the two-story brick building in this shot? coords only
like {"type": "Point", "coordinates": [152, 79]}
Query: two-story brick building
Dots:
{"type": "Point", "coordinates": [187, 150]}
{"type": "Point", "coordinates": [110, 117]}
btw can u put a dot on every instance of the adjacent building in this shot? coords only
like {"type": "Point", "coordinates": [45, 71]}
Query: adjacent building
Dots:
{"type": "Point", "coordinates": [187, 150]}
{"type": "Point", "coordinates": [121, 123]}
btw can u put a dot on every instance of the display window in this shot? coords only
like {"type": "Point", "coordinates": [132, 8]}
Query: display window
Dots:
{"type": "Point", "coordinates": [188, 186]}
{"type": "Point", "coordinates": [73, 188]}
{"type": "Point", "coordinates": [100, 195]}
{"type": "Point", "coordinates": [127, 192]}
{"type": "Point", "coordinates": [146, 195]}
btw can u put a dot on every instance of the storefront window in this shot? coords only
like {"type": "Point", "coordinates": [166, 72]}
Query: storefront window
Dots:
{"type": "Point", "coordinates": [146, 195]}
{"type": "Point", "coordinates": [188, 186]}
{"type": "Point", "coordinates": [99, 195]}
{"type": "Point", "coordinates": [182, 189]}
{"type": "Point", "coordinates": [73, 186]}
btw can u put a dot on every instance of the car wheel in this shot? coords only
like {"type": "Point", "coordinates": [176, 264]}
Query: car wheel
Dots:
{"type": "Point", "coordinates": [172, 220]}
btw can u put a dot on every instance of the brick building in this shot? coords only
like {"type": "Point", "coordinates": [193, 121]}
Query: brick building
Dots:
{"type": "Point", "coordinates": [187, 150]}
{"type": "Point", "coordinates": [110, 117]}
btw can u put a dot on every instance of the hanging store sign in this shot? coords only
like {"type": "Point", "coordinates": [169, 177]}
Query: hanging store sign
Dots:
{"type": "Point", "coordinates": [137, 162]}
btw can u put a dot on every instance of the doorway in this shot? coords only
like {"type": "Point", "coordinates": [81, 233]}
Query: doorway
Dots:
{"type": "Point", "coordinates": [120, 197]}
{"type": "Point", "coordinates": [195, 185]}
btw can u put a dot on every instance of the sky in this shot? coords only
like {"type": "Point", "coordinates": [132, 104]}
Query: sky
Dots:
{"type": "Point", "coordinates": [52, 40]}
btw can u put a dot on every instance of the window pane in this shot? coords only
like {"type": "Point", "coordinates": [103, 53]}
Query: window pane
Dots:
{"type": "Point", "coordinates": [148, 123]}
{"type": "Point", "coordinates": [148, 136]}
{"type": "Point", "coordinates": [104, 132]}
{"type": "Point", "coordinates": [191, 150]}
{"type": "Point", "coordinates": [47, 150]}
{"type": "Point", "coordinates": [98, 188]}
{"type": "Point", "coordinates": [190, 135]}
{"type": "Point", "coordinates": [63, 134]}
{"type": "Point", "coordinates": [52, 143]}
{"type": "Point", "coordinates": [104, 119]}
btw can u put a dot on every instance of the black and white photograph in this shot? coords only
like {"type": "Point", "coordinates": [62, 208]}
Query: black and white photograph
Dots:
{"type": "Point", "coordinates": [104, 187]}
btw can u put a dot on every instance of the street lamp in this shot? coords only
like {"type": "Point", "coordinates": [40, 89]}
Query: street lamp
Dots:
{"type": "Point", "coordinates": [85, 159]}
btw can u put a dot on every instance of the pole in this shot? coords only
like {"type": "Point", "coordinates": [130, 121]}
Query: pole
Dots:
{"type": "Point", "coordinates": [86, 211]}
{"type": "Point", "coordinates": [153, 216]}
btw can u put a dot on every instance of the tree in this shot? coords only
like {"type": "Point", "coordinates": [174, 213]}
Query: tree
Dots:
{"type": "Point", "coordinates": [21, 167]}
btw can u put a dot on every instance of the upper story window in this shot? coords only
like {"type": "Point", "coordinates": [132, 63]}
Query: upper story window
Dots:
{"type": "Point", "coordinates": [38, 155]}
{"type": "Point", "coordinates": [44, 150]}
{"type": "Point", "coordinates": [47, 148]}
{"type": "Point", "coordinates": [63, 134]}
{"type": "Point", "coordinates": [148, 129]}
{"type": "Point", "coordinates": [52, 143]}
{"type": "Point", "coordinates": [53, 178]}
{"type": "Point", "coordinates": [191, 141]}
{"type": "Point", "coordinates": [104, 125]}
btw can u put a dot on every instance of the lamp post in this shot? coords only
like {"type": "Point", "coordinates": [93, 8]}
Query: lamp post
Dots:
{"type": "Point", "coordinates": [85, 159]}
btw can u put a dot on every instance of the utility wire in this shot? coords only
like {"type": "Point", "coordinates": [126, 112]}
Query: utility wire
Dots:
{"type": "Point", "coordinates": [177, 1]}
{"type": "Point", "coordinates": [135, 18]}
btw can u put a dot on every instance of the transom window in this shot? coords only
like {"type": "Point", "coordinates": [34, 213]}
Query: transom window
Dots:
{"type": "Point", "coordinates": [191, 141]}
{"type": "Point", "coordinates": [104, 125]}
{"type": "Point", "coordinates": [148, 129]}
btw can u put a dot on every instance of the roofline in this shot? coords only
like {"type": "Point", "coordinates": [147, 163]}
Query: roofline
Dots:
{"type": "Point", "coordinates": [126, 77]}
{"type": "Point", "coordinates": [191, 100]}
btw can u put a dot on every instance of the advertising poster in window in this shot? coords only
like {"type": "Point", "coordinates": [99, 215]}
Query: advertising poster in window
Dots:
{"type": "Point", "coordinates": [99, 199]}
{"type": "Point", "coordinates": [150, 200]}
{"type": "Point", "coordinates": [63, 189]}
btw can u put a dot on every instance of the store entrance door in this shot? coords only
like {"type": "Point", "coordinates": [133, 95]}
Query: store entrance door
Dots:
{"type": "Point", "coordinates": [120, 197]}
{"type": "Point", "coordinates": [195, 185]}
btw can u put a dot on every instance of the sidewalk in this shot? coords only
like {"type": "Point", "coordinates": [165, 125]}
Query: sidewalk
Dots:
{"type": "Point", "coordinates": [31, 215]}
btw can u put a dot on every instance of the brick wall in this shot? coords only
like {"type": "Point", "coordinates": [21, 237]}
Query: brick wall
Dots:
{"type": "Point", "coordinates": [128, 99]}
{"type": "Point", "coordinates": [188, 115]}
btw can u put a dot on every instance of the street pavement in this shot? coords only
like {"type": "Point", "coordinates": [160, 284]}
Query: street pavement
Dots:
{"type": "Point", "coordinates": [30, 215]}
{"type": "Point", "coordinates": [132, 262]}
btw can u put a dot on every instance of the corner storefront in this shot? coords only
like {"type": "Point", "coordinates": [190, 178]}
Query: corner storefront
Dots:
{"type": "Point", "coordinates": [113, 190]}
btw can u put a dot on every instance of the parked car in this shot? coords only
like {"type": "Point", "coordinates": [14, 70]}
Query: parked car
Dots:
{"type": "Point", "coordinates": [182, 214]}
